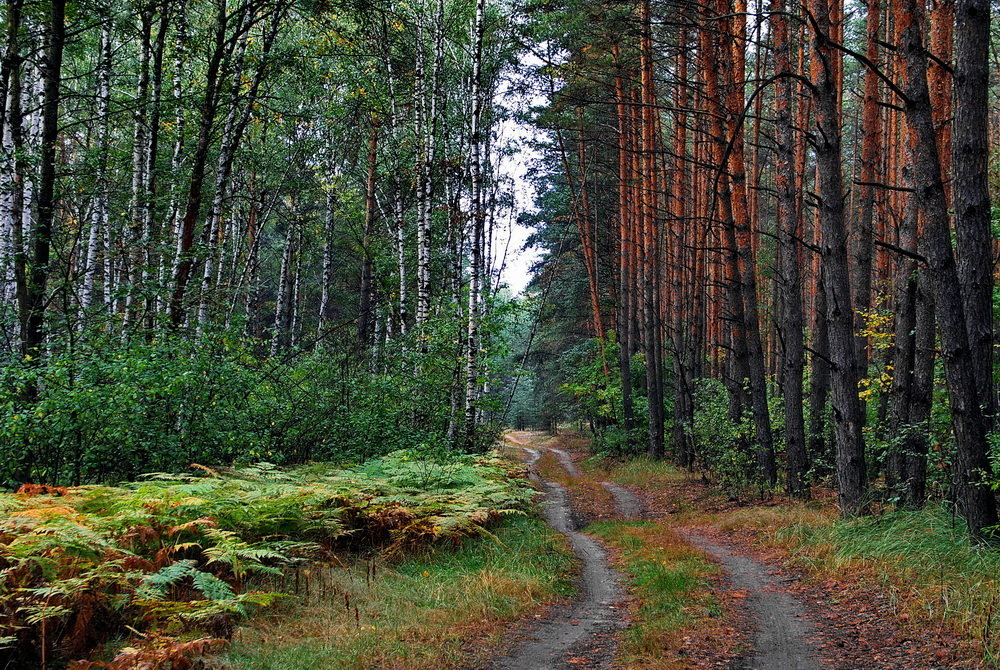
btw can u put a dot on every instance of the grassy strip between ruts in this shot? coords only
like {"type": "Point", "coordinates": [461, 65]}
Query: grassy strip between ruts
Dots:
{"type": "Point", "coordinates": [420, 613]}
{"type": "Point", "coordinates": [670, 582]}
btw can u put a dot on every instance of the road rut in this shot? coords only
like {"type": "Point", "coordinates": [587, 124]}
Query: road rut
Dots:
{"type": "Point", "coordinates": [596, 616]}
{"type": "Point", "coordinates": [782, 628]}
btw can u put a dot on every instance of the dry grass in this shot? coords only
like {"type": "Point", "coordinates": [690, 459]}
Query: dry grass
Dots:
{"type": "Point", "coordinates": [418, 614]}
{"type": "Point", "coordinates": [769, 522]}
{"type": "Point", "coordinates": [643, 472]}
{"type": "Point", "coordinates": [678, 619]}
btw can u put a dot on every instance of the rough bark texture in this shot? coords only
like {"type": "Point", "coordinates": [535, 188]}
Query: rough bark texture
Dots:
{"type": "Point", "coordinates": [848, 415]}
{"type": "Point", "coordinates": [970, 189]}
{"type": "Point", "coordinates": [975, 501]}
{"type": "Point", "coordinates": [791, 323]}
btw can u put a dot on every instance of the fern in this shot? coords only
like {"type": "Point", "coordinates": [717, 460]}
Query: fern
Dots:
{"type": "Point", "coordinates": [131, 549]}
{"type": "Point", "coordinates": [157, 584]}
{"type": "Point", "coordinates": [212, 587]}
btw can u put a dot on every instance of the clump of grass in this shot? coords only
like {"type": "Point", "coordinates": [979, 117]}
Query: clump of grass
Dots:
{"type": "Point", "coordinates": [770, 522]}
{"type": "Point", "coordinates": [642, 472]}
{"type": "Point", "coordinates": [669, 579]}
{"type": "Point", "coordinates": [409, 616]}
{"type": "Point", "coordinates": [925, 559]}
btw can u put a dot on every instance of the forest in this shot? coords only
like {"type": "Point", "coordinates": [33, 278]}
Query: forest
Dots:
{"type": "Point", "coordinates": [266, 313]}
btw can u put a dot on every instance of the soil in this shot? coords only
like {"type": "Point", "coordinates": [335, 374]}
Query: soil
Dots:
{"type": "Point", "coordinates": [583, 633]}
{"type": "Point", "coordinates": [782, 629]}
{"type": "Point", "coordinates": [788, 619]}
{"type": "Point", "coordinates": [627, 504]}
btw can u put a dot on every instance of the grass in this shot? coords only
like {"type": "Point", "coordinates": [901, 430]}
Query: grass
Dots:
{"type": "Point", "coordinates": [669, 580]}
{"type": "Point", "coordinates": [923, 559]}
{"type": "Point", "coordinates": [173, 554]}
{"type": "Point", "coordinates": [419, 613]}
{"type": "Point", "coordinates": [642, 471]}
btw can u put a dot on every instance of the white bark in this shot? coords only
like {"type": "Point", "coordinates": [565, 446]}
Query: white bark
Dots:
{"type": "Point", "coordinates": [227, 151]}
{"type": "Point", "coordinates": [324, 301]}
{"type": "Point", "coordinates": [169, 264]}
{"type": "Point", "coordinates": [99, 212]}
{"type": "Point", "coordinates": [478, 219]}
{"type": "Point", "coordinates": [140, 162]}
{"type": "Point", "coordinates": [282, 311]}
{"type": "Point", "coordinates": [399, 223]}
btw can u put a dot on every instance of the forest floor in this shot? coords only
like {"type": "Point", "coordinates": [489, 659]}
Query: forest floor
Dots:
{"type": "Point", "coordinates": [696, 579]}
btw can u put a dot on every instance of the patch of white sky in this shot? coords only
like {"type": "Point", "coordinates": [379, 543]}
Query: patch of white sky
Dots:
{"type": "Point", "coordinates": [516, 137]}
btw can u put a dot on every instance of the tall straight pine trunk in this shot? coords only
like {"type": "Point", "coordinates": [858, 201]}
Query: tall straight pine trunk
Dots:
{"type": "Point", "coordinates": [975, 500]}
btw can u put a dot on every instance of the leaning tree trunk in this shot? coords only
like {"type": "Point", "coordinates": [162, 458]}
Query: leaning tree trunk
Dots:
{"type": "Point", "coordinates": [848, 417]}
{"type": "Point", "coordinates": [975, 501]}
{"type": "Point", "coordinates": [184, 259]}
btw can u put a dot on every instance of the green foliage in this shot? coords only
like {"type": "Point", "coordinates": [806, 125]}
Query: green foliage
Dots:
{"type": "Point", "coordinates": [105, 410]}
{"type": "Point", "coordinates": [595, 388]}
{"type": "Point", "coordinates": [174, 552]}
{"type": "Point", "coordinates": [108, 410]}
{"type": "Point", "coordinates": [592, 370]}
{"type": "Point", "coordinates": [720, 443]}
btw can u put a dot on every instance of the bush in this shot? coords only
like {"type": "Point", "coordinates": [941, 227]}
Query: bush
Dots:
{"type": "Point", "coordinates": [105, 410]}
{"type": "Point", "coordinates": [720, 444]}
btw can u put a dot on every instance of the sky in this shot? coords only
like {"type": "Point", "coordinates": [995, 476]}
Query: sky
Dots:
{"type": "Point", "coordinates": [508, 236]}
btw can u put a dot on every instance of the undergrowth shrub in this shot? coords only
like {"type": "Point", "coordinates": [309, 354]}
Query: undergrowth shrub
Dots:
{"type": "Point", "coordinates": [720, 444]}
{"type": "Point", "coordinates": [172, 557]}
{"type": "Point", "coordinates": [101, 410]}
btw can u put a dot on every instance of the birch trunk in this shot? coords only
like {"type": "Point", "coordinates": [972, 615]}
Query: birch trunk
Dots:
{"type": "Point", "coordinates": [99, 213]}
{"type": "Point", "coordinates": [478, 217]}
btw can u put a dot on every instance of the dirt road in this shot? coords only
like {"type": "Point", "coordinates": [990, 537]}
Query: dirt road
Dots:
{"type": "Point", "coordinates": [587, 628]}
{"type": "Point", "coordinates": [584, 634]}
